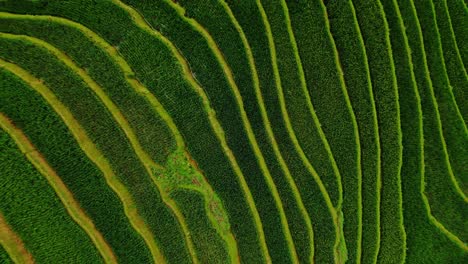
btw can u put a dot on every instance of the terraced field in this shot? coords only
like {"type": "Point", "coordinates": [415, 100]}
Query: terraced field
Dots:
{"type": "Point", "coordinates": [227, 131]}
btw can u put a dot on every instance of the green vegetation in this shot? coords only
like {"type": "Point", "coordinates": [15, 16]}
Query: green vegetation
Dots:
{"type": "Point", "coordinates": [196, 48]}
{"type": "Point", "coordinates": [455, 133]}
{"type": "Point", "coordinates": [328, 94]}
{"type": "Point", "coordinates": [102, 130]}
{"type": "Point", "coordinates": [375, 32]}
{"type": "Point", "coordinates": [35, 211]}
{"type": "Point", "coordinates": [98, 64]}
{"type": "Point", "coordinates": [446, 200]}
{"type": "Point", "coordinates": [354, 62]}
{"type": "Point", "coordinates": [452, 59]}
{"type": "Point", "coordinates": [419, 223]}
{"type": "Point", "coordinates": [225, 131]}
{"type": "Point", "coordinates": [238, 53]}
{"type": "Point", "coordinates": [4, 257]}
{"type": "Point", "coordinates": [88, 185]}
{"type": "Point", "coordinates": [458, 12]}
{"type": "Point", "coordinates": [208, 243]}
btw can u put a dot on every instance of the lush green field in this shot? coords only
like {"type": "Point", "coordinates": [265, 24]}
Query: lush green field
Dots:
{"type": "Point", "coordinates": [227, 131]}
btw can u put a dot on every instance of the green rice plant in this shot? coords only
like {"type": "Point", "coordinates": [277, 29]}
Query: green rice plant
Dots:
{"type": "Point", "coordinates": [446, 201]}
{"type": "Point", "coordinates": [249, 17]}
{"type": "Point", "coordinates": [35, 212]}
{"type": "Point", "coordinates": [409, 100]}
{"type": "Point", "coordinates": [165, 79]}
{"type": "Point", "coordinates": [305, 126]}
{"type": "Point", "coordinates": [42, 125]}
{"type": "Point", "coordinates": [102, 129]}
{"type": "Point", "coordinates": [4, 256]}
{"type": "Point", "coordinates": [374, 28]}
{"type": "Point", "coordinates": [458, 12]}
{"type": "Point", "coordinates": [209, 244]}
{"type": "Point", "coordinates": [215, 17]}
{"type": "Point", "coordinates": [353, 59]}
{"type": "Point", "coordinates": [451, 99]}
{"type": "Point", "coordinates": [151, 130]}
{"type": "Point", "coordinates": [328, 94]}
{"type": "Point", "coordinates": [201, 56]}
{"type": "Point", "coordinates": [225, 131]}
{"type": "Point", "coordinates": [452, 59]}
{"type": "Point", "coordinates": [423, 236]}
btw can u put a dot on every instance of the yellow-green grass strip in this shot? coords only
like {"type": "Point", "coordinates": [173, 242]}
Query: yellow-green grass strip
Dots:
{"type": "Point", "coordinates": [123, 123]}
{"type": "Point", "coordinates": [370, 254]}
{"type": "Point", "coordinates": [355, 128]}
{"type": "Point", "coordinates": [460, 92]}
{"type": "Point", "coordinates": [142, 24]}
{"type": "Point", "coordinates": [433, 220]}
{"type": "Point", "coordinates": [436, 103]}
{"type": "Point", "coordinates": [251, 136]}
{"type": "Point", "coordinates": [452, 62]}
{"type": "Point", "coordinates": [456, 78]}
{"type": "Point", "coordinates": [372, 21]}
{"type": "Point", "coordinates": [400, 135]}
{"type": "Point", "coordinates": [267, 125]}
{"type": "Point", "coordinates": [376, 124]}
{"type": "Point", "coordinates": [420, 125]}
{"type": "Point", "coordinates": [69, 202]}
{"type": "Point", "coordinates": [115, 56]}
{"type": "Point", "coordinates": [454, 37]}
{"type": "Point", "coordinates": [340, 238]}
{"type": "Point", "coordinates": [13, 244]}
{"type": "Point", "coordinates": [297, 146]}
{"type": "Point", "coordinates": [311, 110]}
{"type": "Point", "coordinates": [93, 153]}
{"type": "Point", "coordinates": [229, 239]}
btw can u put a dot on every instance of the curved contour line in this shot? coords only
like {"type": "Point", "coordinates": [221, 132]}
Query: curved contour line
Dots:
{"type": "Point", "coordinates": [93, 153]}
{"type": "Point", "coordinates": [141, 23]}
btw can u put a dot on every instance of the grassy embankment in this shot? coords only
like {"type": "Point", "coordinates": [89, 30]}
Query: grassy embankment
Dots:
{"type": "Point", "coordinates": [353, 59]}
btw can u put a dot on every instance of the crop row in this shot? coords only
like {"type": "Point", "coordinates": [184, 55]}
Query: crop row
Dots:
{"type": "Point", "coordinates": [418, 221]}
{"type": "Point", "coordinates": [329, 96]}
{"type": "Point", "coordinates": [39, 122]}
{"type": "Point", "coordinates": [142, 67]}
{"type": "Point", "coordinates": [445, 200]}
{"type": "Point", "coordinates": [260, 37]}
{"type": "Point", "coordinates": [210, 247]}
{"type": "Point", "coordinates": [348, 145]}
{"type": "Point", "coordinates": [42, 24]}
{"type": "Point", "coordinates": [65, 196]}
{"type": "Point", "coordinates": [201, 55]}
{"type": "Point", "coordinates": [148, 126]}
{"type": "Point", "coordinates": [353, 58]}
{"type": "Point", "coordinates": [35, 211]}
{"type": "Point", "coordinates": [458, 15]}
{"type": "Point", "coordinates": [11, 246]}
{"type": "Point", "coordinates": [454, 129]}
{"type": "Point", "coordinates": [375, 32]}
{"type": "Point", "coordinates": [234, 45]}
{"type": "Point", "coordinates": [453, 61]}
{"type": "Point", "coordinates": [120, 155]}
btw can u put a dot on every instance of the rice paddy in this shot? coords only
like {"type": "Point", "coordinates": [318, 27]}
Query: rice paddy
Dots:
{"type": "Point", "coordinates": [225, 131]}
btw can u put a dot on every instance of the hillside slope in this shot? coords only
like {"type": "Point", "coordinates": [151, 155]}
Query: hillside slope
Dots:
{"type": "Point", "coordinates": [226, 131]}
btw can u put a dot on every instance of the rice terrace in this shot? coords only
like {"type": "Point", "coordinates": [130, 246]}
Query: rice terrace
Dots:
{"type": "Point", "coordinates": [233, 131]}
